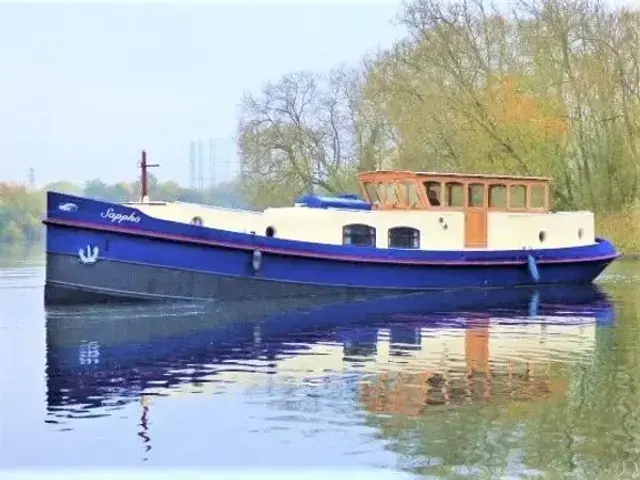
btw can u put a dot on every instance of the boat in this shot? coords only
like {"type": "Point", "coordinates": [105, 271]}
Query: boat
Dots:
{"type": "Point", "coordinates": [405, 232]}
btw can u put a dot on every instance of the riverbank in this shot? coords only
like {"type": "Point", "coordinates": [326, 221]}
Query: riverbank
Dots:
{"type": "Point", "coordinates": [623, 229]}
{"type": "Point", "coordinates": [22, 209]}
{"type": "Point", "coordinates": [14, 255]}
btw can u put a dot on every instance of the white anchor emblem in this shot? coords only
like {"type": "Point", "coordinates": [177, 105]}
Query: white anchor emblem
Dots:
{"type": "Point", "coordinates": [89, 257]}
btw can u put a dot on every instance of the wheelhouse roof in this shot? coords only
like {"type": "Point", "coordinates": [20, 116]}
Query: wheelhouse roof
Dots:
{"type": "Point", "coordinates": [479, 176]}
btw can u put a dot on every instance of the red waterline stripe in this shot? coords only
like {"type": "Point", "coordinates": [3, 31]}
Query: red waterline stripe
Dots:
{"type": "Point", "coordinates": [322, 256]}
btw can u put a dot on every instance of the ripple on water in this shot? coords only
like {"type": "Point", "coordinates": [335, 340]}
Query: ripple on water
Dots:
{"type": "Point", "coordinates": [467, 393]}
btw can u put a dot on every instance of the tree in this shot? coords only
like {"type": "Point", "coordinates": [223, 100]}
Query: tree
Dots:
{"type": "Point", "coordinates": [307, 133]}
{"type": "Point", "coordinates": [63, 186]}
{"type": "Point", "coordinates": [548, 88]}
{"type": "Point", "coordinates": [98, 189]}
{"type": "Point", "coordinates": [21, 210]}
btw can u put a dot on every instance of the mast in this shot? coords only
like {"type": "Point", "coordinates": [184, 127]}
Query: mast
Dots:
{"type": "Point", "coordinates": [144, 181]}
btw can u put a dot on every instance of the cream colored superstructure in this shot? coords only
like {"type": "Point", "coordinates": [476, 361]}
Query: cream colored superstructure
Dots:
{"type": "Point", "coordinates": [439, 230]}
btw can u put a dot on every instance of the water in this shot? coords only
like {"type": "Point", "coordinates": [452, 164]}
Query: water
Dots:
{"type": "Point", "coordinates": [499, 385]}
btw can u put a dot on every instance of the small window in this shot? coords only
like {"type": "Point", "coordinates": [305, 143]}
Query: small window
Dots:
{"type": "Point", "coordinates": [372, 192]}
{"type": "Point", "coordinates": [411, 194]}
{"type": "Point", "coordinates": [197, 221]}
{"type": "Point", "coordinates": [476, 195]}
{"type": "Point", "coordinates": [537, 196]}
{"type": "Point", "coordinates": [392, 195]}
{"type": "Point", "coordinates": [455, 194]}
{"type": "Point", "coordinates": [433, 190]}
{"type": "Point", "coordinates": [518, 196]}
{"type": "Point", "coordinates": [270, 231]}
{"type": "Point", "coordinates": [359, 234]}
{"type": "Point", "coordinates": [497, 196]}
{"type": "Point", "coordinates": [404, 237]}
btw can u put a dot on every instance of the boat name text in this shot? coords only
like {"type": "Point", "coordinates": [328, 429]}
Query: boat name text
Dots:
{"type": "Point", "coordinates": [111, 214]}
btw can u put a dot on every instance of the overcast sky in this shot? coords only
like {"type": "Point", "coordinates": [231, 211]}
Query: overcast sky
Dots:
{"type": "Point", "coordinates": [83, 88]}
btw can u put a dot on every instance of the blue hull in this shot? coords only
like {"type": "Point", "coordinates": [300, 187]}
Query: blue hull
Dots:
{"type": "Point", "coordinates": [144, 258]}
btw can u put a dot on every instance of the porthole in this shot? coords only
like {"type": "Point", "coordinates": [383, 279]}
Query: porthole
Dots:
{"type": "Point", "coordinates": [404, 237]}
{"type": "Point", "coordinates": [270, 231]}
{"type": "Point", "coordinates": [542, 236]}
{"type": "Point", "coordinates": [580, 233]}
{"type": "Point", "coordinates": [359, 234]}
{"type": "Point", "coordinates": [197, 221]}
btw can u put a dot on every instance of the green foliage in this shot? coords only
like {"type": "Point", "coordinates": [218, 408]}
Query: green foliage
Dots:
{"type": "Point", "coordinates": [548, 87]}
{"type": "Point", "coordinates": [21, 210]}
{"type": "Point", "coordinates": [308, 133]}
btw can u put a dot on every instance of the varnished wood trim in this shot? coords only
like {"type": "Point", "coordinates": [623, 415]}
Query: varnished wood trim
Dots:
{"type": "Point", "coordinates": [443, 179]}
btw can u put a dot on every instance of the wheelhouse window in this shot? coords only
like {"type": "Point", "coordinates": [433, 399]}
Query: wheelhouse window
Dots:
{"type": "Point", "coordinates": [497, 196]}
{"type": "Point", "coordinates": [381, 192]}
{"type": "Point", "coordinates": [434, 194]}
{"type": "Point", "coordinates": [359, 234]}
{"type": "Point", "coordinates": [411, 194]}
{"type": "Point", "coordinates": [372, 192]}
{"type": "Point", "coordinates": [455, 194]}
{"type": "Point", "coordinates": [392, 195]}
{"type": "Point", "coordinates": [476, 195]}
{"type": "Point", "coordinates": [537, 197]}
{"type": "Point", "coordinates": [518, 197]}
{"type": "Point", "coordinates": [404, 237]}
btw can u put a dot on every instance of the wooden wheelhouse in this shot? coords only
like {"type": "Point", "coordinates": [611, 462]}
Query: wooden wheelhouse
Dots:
{"type": "Point", "coordinates": [475, 195]}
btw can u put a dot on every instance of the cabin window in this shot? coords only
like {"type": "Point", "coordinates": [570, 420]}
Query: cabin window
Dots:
{"type": "Point", "coordinates": [404, 237]}
{"type": "Point", "coordinates": [497, 196]}
{"type": "Point", "coordinates": [372, 192]}
{"type": "Point", "coordinates": [537, 196]}
{"type": "Point", "coordinates": [359, 234]}
{"type": "Point", "coordinates": [392, 195]}
{"type": "Point", "coordinates": [411, 194]}
{"type": "Point", "coordinates": [434, 194]}
{"type": "Point", "coordinates": [518, 196]}
{"type": "Point", "coordinates": [455, 194]}
{"type": "Point", "coordinates": [197, 221]}
{"type": "Point", "coordinates": [476, 195]}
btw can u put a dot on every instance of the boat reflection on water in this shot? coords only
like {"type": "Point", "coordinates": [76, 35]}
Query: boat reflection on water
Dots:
{"type": "Point", "coordinates": [406, 352]}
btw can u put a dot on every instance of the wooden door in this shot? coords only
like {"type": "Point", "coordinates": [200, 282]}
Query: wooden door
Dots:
{"type": "Point", "coordinates": [475, 219]}
{"type": "Point", "coordinates": [475, 228]}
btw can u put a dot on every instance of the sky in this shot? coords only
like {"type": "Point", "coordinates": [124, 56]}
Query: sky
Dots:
{"type": "Point", "coordinates": [85, 87]}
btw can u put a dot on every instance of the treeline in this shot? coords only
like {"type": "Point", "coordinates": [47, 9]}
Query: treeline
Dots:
{"type": "Point", "coordinates": [548, 87]}
{"type": "Point", "coordinates": [22, 209]}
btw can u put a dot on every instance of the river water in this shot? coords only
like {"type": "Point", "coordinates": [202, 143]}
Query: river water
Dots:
{"type": "Point", "coordinates": [519, 384]}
